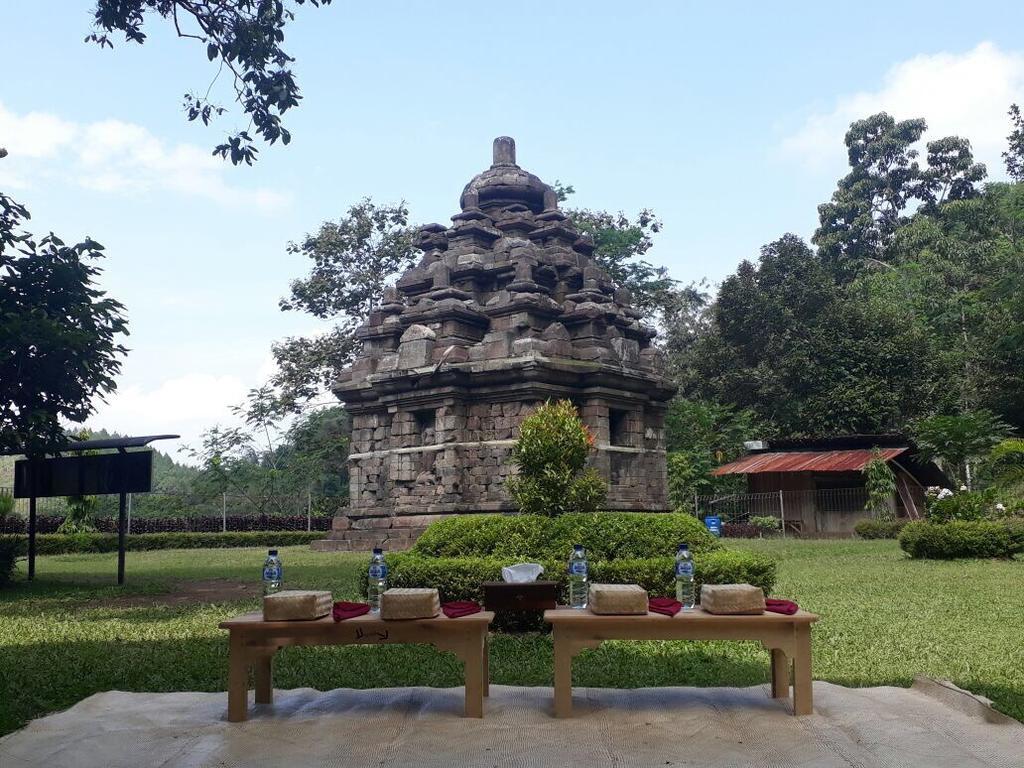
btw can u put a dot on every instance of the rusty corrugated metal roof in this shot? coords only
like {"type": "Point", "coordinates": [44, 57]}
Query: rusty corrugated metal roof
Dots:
{"type": "Point", "coordinates": [852, 460]}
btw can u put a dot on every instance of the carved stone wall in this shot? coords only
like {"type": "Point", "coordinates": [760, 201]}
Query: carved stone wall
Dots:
{"type": "Point", "coordinates": [504, 311]}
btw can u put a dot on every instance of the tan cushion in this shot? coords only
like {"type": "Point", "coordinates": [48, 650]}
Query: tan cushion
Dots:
{"type": "Point", "coordinates": [623, 599]}
{"type": "Point", "coordinates": [296, 604]}
{"type": "Point", "coordinates": [409, 603]}
{"type": "Point", "coordinates": [732, 599]}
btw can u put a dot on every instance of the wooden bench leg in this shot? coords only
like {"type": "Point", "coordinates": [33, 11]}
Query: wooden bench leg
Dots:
{"type": "Point", "coordinates": [803, 694]}
{"type": "Point", "coordinates": [264, 674]}
{"type": "Point", "coordinates": [474, 664]}
{"type": "Point", "coordinates": [238, 680]}
{"type": "Point", "coordinates": [487, 665]}
{"type": "Point", "coordinates": [780, 674]}
{"type": "Point", "coordinates": [563, 675]}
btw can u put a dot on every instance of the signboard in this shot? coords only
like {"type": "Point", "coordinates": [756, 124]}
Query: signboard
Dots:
{"type": "Point", "coordinates": [90, 475]}
{"type": "Point", "coordinates": [714, 524]}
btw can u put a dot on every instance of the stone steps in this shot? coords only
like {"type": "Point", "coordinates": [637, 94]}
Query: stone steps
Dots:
{"type": "Point", "coordinates": [362, 535]}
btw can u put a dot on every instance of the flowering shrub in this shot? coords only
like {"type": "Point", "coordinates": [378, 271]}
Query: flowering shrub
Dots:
{"type": "Point", "coordinates": [943, 505]}
{"type": "Point", "coordinates": [551, 452]}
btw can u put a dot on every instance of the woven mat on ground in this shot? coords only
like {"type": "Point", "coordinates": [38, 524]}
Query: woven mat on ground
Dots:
{"type": "Point", "coordinates": [422, 727]}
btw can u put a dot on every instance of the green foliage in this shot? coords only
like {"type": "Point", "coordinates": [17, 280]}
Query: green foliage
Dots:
{"type": "Point", "coordinates": [945, 507]}
{"type": "Point", "coordinates": [1004, 465]}
{"type": "Point", "coordinates": [460, 578]}
{"type": "Point", "coordinates": [962, 539]}
{"type": "Point", "coordinates": [245, 37]}
{"type": "Point", "coordinates": [699, 436]}
{"type": "Point", "coordinates": [959, 439]}
{"type": "Point", "coordinates": [6, 505]}
{"type": "Point", "coordinates": [80, 516]}
{"type": "Point", "coordinates": [1014, 154]}
{"type": "Point", "coordinates": [61, 544]}
{"type": "Point", "coordinates": [9, 550]}
{"type": "Point", "coordinates": [879, 529]}
{"type": "Point", "coordinates": [605, 535]}
{"type": "Point", "coordinates": [880, 482]}
{"type": "Point", "coordinates": [48, 295]}
{"type": "Point", "coordinates": [766, 523]}
{"type": "Point", "coordinates": [551, 452]}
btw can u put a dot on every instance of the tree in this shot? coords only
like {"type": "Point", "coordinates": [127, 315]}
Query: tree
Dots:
{"type": "Point", "coordinates": [353, 258]}
{"type": "Point", "coordinates": [58, 334]}
{"type": "Point", "coordinates": [1014, 154]}
{"type": "Point", "coordinates": [959, 440]}
{"type": "Point", "coordinates": [244, 37]}
{"type": "Point", "coordinates": [551, 453]}
{"type": "Point", "coordinates": [885, 177]}
{"type": "Point", "coordinates": [880, 483]}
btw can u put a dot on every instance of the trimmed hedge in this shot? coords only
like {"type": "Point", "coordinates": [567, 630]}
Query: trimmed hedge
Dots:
{"type": "Point", "coordinates": [460, 578]}
{"type": "Point", "coordinates": [963, 538]}
{"type": "Point", "coordinates": [8, 554]}
{"type": "Point", "coordinates": [59, 544]}
{"type": "Point", "coordinates": [605, 535]}
{"type": "Point", "coordinates": [879, 529]}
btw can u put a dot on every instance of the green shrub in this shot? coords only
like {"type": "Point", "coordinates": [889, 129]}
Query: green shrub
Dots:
{"type": "Point", "coordinates": [460, 578]}
{"type": "Point", "coordinates": [60, 544]}
{"type": "Point", "coordinates": [879, 529]}
{"type": "Point", "coordinates": [551, 453]}
{"type": "Point", "coordinates": [766, 524]}
{"type": "Point", "coordinates": [946, 506]}
{"type": "Point", "coordinates": [962, 538]}
{"type": "Point", "coordinates": [605, 535]}
{"type": "Point", "coordinates": [8, 554]}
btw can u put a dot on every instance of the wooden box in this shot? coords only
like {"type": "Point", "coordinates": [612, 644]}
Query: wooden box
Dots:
{"type": "Point", "coordinates": [529, 596]}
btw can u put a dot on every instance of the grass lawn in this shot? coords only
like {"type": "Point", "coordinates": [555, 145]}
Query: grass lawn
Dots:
{"type": "Point", "coordinates": [884, 619]}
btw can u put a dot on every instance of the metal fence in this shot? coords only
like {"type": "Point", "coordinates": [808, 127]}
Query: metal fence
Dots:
{"type": "Point", "coordinates": [794, 509]}
{"type": "Point", "coordinates": [160, 512]}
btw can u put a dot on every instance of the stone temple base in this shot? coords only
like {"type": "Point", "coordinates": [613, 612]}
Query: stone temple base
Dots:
{"type": "Point", "coordinates": [392, 533]}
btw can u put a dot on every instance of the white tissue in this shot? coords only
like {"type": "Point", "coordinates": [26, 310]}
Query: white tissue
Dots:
{"type": "Point", "coordinates": [521, 573]}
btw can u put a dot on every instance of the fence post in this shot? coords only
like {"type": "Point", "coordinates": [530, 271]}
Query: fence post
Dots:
{"type": "Point", "coordinates": [695, 512]}
{"type": "Point", "coordinates": [129, 514]}
{"type": "Point", "coordinates": [309, 510]}
{"type": "Point", "coordinates": [223, 512]}
{"type": "Point", "coordinates": [782, 513]}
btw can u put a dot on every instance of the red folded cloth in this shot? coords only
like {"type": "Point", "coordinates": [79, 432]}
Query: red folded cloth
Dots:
{"type": "Point", "coordinates": [777, 605]}
{"type": "Point", "coordinates": [345, 610]}
{"type": "Point", "coordinates": [457, 608]}
{"type": "Point", "coordinates": [665, 605]}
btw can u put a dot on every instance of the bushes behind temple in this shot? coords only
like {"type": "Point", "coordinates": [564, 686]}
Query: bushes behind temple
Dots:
{"type": "Point", "coordinates": [605, 535]}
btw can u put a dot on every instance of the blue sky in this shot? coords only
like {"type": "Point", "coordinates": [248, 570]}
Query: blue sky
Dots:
{"type": "Point", "coordinates": [726, 119]}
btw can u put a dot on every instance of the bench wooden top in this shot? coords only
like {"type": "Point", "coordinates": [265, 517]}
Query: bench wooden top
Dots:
{"type": "Point", "coordinates": [254, 621]}
{"type": "Point", "coordinates": [574, 617]}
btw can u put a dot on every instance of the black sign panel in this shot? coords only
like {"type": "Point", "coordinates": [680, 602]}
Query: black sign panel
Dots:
{"type": "Point", "coordinates": [84, 475]}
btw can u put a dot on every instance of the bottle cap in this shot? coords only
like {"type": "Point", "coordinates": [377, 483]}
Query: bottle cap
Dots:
{"type": "Point", "coordinates": [272, 552]}
{"type": "Point", "coordinates": [577, 546]}
{"type": "Point", "coordinates": [378, 551]}
{"type": "Point", "coordinates": [684, 545]}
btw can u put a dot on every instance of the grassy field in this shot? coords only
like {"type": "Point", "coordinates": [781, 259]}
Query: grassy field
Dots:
{"type": "Point", "coordinates": [884, 619]}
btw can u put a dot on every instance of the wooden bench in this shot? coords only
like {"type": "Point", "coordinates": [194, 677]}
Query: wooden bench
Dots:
{"type": "Point", "coordinates": [253, 643]}
{"type": "Point", "coordinates": [788, 638]}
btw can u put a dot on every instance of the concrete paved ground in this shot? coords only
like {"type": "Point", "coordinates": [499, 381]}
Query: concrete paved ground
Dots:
{"type": "Point", "coordinates": [422, 727]}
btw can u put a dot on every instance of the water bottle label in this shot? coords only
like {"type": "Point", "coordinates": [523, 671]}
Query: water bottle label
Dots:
{"type": "Point", "coordinates": [272, 573]}
{"type": "Point", "coordinates": [378, 571]}
{"type": "Point", "coordinates": [578, 568]}
{"type": "Point", "coordinates": [684, 569]}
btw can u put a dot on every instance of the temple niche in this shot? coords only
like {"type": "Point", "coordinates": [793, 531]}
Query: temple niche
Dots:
{"type": "Point", "coordinates": [504, 311]}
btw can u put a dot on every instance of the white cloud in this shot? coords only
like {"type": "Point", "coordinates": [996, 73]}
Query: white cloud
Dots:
{"type": "Point", "coordinates": [964, 94]}
{"type": "Point", "coordinates": [185, 405]}
{"type": "Point", "coordinates": [115, 157]}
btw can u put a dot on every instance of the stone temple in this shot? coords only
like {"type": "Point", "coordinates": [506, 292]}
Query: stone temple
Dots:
{"type": "Point", "coordinates": [505, 310]}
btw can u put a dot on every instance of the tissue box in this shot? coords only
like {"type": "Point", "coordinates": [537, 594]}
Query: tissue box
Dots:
{"type": "Point", "coordinates": [296, 604]}
{"type": "Point", "coordinates": [399, 603]}
{"type": "Point", "coordinates": [623, 599]}
{"type": "Point", "coordinates": [731, 599]}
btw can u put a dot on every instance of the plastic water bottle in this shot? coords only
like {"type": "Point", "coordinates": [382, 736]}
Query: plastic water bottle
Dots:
{"type": "Point", "coordinates": [377, 582]}
{"type": "Point", "coordinates": [684, 577]}
{"type": "Point", "coordinates": [273, 573]}
{"type": "Point", "coordinates": [578, 581]}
